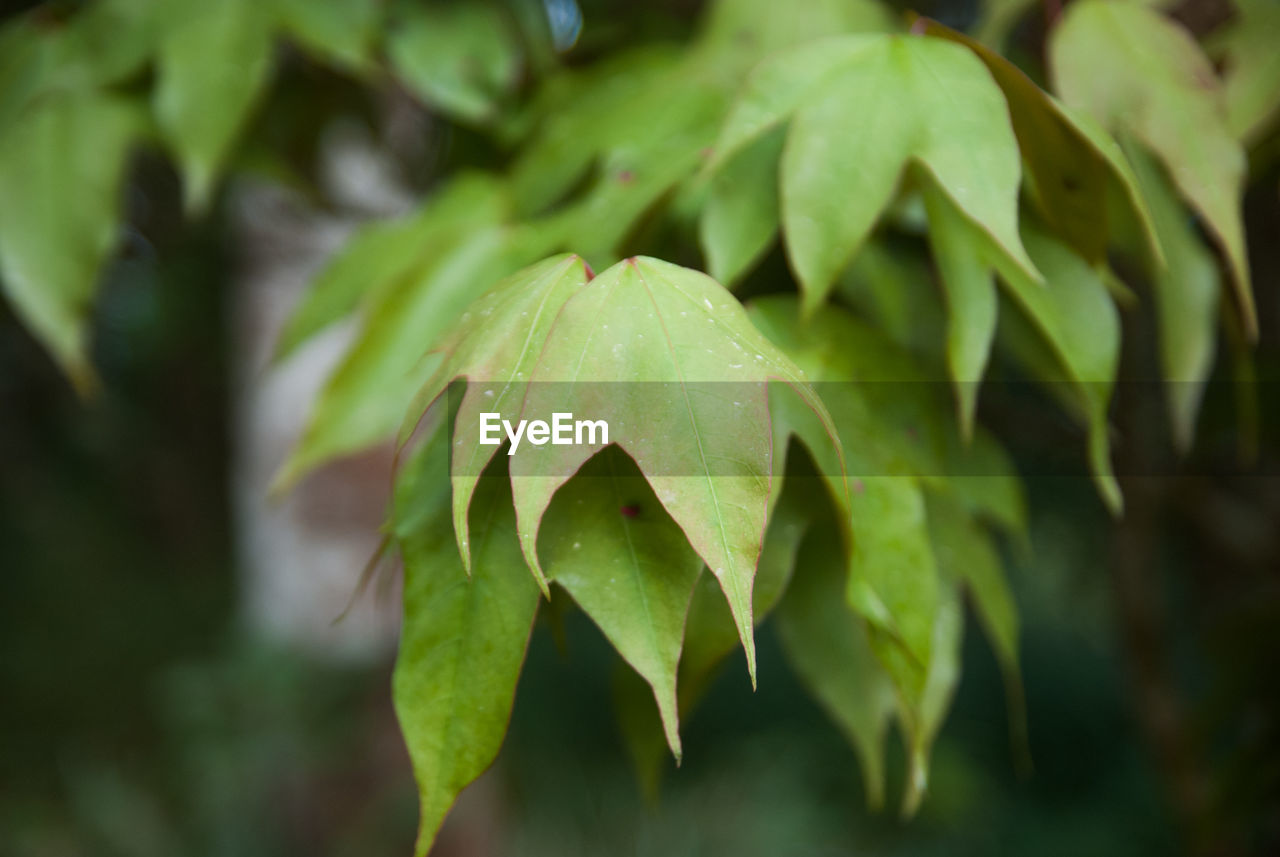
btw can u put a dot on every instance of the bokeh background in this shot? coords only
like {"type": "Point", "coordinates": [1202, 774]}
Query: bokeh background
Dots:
{"type": "Point", "coordinates": [170, 683]}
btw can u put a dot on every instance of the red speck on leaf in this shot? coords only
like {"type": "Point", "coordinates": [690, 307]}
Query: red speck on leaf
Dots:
{"type": "Point", "coordinates": [630, 511]}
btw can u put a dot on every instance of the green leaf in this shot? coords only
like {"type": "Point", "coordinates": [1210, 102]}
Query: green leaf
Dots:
{"type": "Point", "coordinates": [462, 251]}
{"type": "Point", "coordinates": [341, 31]}
{"type": "Point", "coordinates": [383, 253]}
{"type": "Point", "coordinates": [891, 284]}
{"type": "Point", "coordinates": [583, 114]}
{"type": "Point", "coordinates": [923, 718]}
{"type": "Point", "coordinates": [1069, 162]}
{"type": "Point", "coordinates": [459, 57]}
{"type": "Point", "coordinates": [892, 574]}
{"type": "Point", "coordinates": [61, 170]}
{"type": "Point", "coordinates": [863, 108]}
{"type": "Point", "coordinates": [1251, 81]}
{"type": "Point", "coordinates": [664, 330]}
{"type": "Point", "coordinates": [827, 646]}
{"type": "Point", "coordinates": [213, 66]}
{"type": "Point", "coordinates": [710, 634]}
{"type": "Point", "coordinates": [103, 44]}
{"type": "Point", "coordinates": [740, 218]}
{"type": "Point", "coordinates": [606, 540]}
{"type": "Point", "coordinates": [494, 347]}
{"type": "Point", "coordinates": [969, 286]}
{"type": "Point", "coordinates": [642, 158]}
{"type": "Point", "coordinates": [1139, 72]}
{"type": "Point", "coordinates": [967, 553]}
{"type": "Point", "coordinates": [1187, 293]}
{"type": "Point", "coordinates": [1076, 318]}
{"type": "Point", "coordinates": [464, 637]}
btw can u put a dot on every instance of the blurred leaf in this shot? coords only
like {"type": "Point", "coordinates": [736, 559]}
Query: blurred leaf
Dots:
{"type": "Point", "coordinates": [1139, 72]}
{"type": "Point", "coordinates": [967, 553]}
{"type": "Point", "coordinates": [998, 18]}
{"type": "Point", "coordinates": [583, 114]}
{"type": "Point", "coordinates": [214, 65]}
{"type": "Point", "coordinates": [891, 284]}
{"type": "Point", "coordinates": [1076, 319]}
{"type": "Point", "coordinates": [631, 571]}
{"type": "Point", "coordinates": [638, 161]}
{"type": "Point", "coordinates": [61, 170]}
{"type": "Point", "coordinates": [1078, 328]}
{"type": "Point", "coordinates": [969, 286]}
{"type": "Point", "coordinates": [1187, 293]}
{"type": "Point", "coordinates": [740, 218]}
{"type": "Point", "coordinates": [462, 251]}
{"type": "Point", "coordinates": [382, 253]}
{"type": "Point", "coordinates": [757, 28]}
{"type": "Point", "coordinates": [923, 719]}
{"type": "Point", "coordinates": [342, 31]}
{"type": "Point", "coordinates": [463, 640]}
{"type": "Point", "coordinates": [459, 57]}
{"type": "Point", "coordinates": [1251, 82]}
{"type": "Point", "coordinates": [664, 330]}
{"type": "Point", "coordinates": [864, 106]}
{"type": "Point", "coordinates": [827, 646]}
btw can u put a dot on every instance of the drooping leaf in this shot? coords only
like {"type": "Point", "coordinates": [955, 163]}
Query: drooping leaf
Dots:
{"type": "Point", "coordinates": [1140, 73]}
{"type": "Point", "coordinates": [895, 435]}
{"type": "Point", "coordinates": [966, 553]}
{"type": "Point", "coordinates": [968, 284]}
{"type": "Point", "coordinates": [582, 115]}
{"type": "Point", "coordinates": [1075, 317]}
{"type": "Point", "coordinates": [214, 64]}
{"type": "Point", "coordinates": [863, 107]}
{"type": "Point", "coordinates": [640, 159]}
{"type": "Point", "coordinates": [463, 250]}
{"type": "Point", "coordinates": [608, 542]}
{"type": "Point", "coordinates": [104, 43]}
{"type": "Point", "coordinates": [383, 253]}
{"type": "Point", "coordinates": [997, 18]}
{"type": "Point", "coordinates": [922, 718]}
{"type": "Point", "coordinates": [890, 283]}
{"type": "Point", "coordinates": [1070, 163]}
{"type": "Point", "coordinates": [740, 218]}
{"type": "Point", "coordinates": [888, 407]}
{"type": "Point", "coordinates": [892, 573]}
{"type": "Point", "coordinates": [494, 347]}
{"type": "Point", "coordinates": [710, 635]}
{"type": "Point", "coordinates": [464, 636]}
{"type": "Point", "coordinates": [640, 727]}
{"type": "Point", "coordinates": [827, 646]}
{"type": "Point", "coordinates": [60, 175]}
{"type": "Point", "coordinates": [340, 31]}
{"type": "Point", "coordinates": [459, 57]}
{"type": "Point", "coordinates": [1187, 293]}
{"type": "Point", "coordinates": [693, 412]}
{"type": "Point", "coordinates": [1251, 80]}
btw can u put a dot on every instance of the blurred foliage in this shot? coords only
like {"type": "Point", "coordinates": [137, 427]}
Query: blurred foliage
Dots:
{"type": "Point", "coordinates": [814, 149]}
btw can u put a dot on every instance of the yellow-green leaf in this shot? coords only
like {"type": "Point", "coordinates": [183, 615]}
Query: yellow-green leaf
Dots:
{"type": "Point", "coordinates": [61, 170]}
{"type": "Point", "coordinates": [1141, 73]}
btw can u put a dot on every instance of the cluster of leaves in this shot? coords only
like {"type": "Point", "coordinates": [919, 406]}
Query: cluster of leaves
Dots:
{"type": "Point", "coordinates": [824, 126]}
{"type": "Point", "coordinates": [81, 88]}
